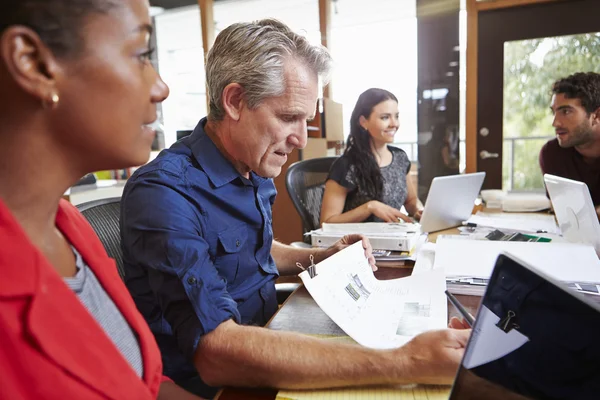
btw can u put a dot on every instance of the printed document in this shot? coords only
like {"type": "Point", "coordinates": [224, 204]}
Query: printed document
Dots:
{"type": "Point", "coordinates": [380, 314]}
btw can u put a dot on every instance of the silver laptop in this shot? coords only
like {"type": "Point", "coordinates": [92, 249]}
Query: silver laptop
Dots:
{"type": "Point", "coordinates": [533, 338]}
{"type": "Point", "coordinates": [574, 210]}
{"type": "Point", "coordinates": [450, 201]}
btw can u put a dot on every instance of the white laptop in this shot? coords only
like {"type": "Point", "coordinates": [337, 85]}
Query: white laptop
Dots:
{"type": "Point", "coordinates": [450, 201]}
{"type": "Point", "coordinates": [574, 210]}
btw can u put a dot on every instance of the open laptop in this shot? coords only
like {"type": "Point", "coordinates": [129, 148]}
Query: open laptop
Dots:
{"type": "Point", "coordinates": [574, 210]}
{"type": "Point", "coordinates": [450, 201]}
{"type": "Point", "coordinates": [533, 338]}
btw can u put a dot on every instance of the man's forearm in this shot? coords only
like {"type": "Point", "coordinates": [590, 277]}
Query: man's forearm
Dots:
{"type": "Point", "coordinates": [234, 355]}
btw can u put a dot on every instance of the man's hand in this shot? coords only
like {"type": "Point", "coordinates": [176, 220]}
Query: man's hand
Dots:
{"type": "Point", "coordinates": [598, 212]}
{"type": "Point", "coordinates": [433, 357]}
{"type": "Point", "coordinates": [346, 241]}
{"type": "Point", "coordinates": [456, 323]}
{"type": "Point", "coordinates": [387, 213]}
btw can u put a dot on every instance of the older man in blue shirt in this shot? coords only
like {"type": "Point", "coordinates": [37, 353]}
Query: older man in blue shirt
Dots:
{"type": "Point", "coordinates": [198, 245]}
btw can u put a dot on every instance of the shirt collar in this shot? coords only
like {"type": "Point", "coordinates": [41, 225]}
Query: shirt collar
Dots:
{"type": "Point", "coordinates": [219, 169]}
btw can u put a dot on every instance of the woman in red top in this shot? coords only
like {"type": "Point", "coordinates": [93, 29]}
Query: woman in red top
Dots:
{"type": "Point", "coordinates": [77, 89]}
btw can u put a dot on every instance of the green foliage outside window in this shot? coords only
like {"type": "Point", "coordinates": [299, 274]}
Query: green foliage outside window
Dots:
{"type": "Point", "coordinates": [530, 69]}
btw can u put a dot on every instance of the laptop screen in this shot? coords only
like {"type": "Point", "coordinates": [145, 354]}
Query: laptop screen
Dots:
{"type": "Point", "coordinates": [532, 339]}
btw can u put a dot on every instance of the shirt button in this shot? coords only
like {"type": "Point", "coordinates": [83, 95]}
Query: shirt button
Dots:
{"type": "Point", "coordinates": [237, 243]}
{"type": "Point", "coordinates": [191, 280]}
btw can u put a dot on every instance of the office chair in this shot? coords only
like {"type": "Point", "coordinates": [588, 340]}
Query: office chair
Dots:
{"type": "Point", "coordinates": [103, 215]}
{"type": "Point", "coordinates": [305, 183]}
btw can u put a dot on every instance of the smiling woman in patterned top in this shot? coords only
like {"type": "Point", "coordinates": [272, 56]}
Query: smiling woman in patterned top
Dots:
{"type": "Point", "coordinates": [368, 183]}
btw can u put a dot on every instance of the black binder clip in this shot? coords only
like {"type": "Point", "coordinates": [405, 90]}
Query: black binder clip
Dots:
{"type": "Point", "coordinates": [507, 323]}
{"type": "Point", "coordinates": [312, 268]}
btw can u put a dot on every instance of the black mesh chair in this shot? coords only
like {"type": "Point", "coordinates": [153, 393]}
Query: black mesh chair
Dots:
{"type": "Point", "coordinates": [103, 215]}
{"type": "Point", "coordinates": [305, 183]}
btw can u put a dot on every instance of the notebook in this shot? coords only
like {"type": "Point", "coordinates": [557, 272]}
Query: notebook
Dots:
{"type": "Point", "coordinates": [450, 201]}
{"type": "Point", "coordinates": [533, 338]}
{"type": "Point", "coordinates": [574, 210]}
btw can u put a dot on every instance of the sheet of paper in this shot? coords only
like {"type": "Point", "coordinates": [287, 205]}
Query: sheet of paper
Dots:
{"type": "Point", "coordinates": [568, 262]}
{"type": "Point", "coordinates": [488, 342]}
{"type": "Point", "coordinates": [530, 225]}
{"type": "Point", "coordinates": [425, 259]}
{"type": "Point", "coordinates": [429, 392]}
{"type": "Point", "coordinates": [376, 313]}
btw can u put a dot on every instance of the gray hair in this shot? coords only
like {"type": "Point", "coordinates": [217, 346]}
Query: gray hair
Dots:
{"type": "Point", "coordinates": [253, 54]}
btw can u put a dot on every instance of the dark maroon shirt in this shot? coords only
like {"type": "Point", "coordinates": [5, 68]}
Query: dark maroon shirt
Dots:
{"type": "Point", "coordinates": [568, 163]}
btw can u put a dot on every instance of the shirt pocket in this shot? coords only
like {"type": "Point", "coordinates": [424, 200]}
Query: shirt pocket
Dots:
{"type": "Point", "coordinates": [229, 244]}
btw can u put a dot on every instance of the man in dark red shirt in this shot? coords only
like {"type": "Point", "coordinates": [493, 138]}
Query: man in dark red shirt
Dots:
{"type": "Point", "coordinates": [575, 152]}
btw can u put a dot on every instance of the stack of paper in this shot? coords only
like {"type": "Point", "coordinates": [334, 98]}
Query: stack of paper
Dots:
{"type": "Point", "coordinates": [532, 223]}
{"type": "Point", "coordinates": [468, 259]}
{"type": "Point", "coordinates": [377, 314]}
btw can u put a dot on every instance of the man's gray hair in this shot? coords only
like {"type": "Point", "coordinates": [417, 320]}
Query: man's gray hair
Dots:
{"type": "Point", "coordinates": [253, 54]}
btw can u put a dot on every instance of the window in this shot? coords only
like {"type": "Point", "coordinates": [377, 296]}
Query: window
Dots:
{"type": "Point", "coordinates": [181, 65]}
{"type": "Point", "coordinates": [374, 44]}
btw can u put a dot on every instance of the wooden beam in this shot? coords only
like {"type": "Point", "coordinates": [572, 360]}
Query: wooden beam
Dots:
{"type": "Point", "coordinates": [496, 4]}
{"type": "Point", "coordinates": [471, 95]}
{"type": "Point", "coordinates": [325, 11]}
{"type": "Point", "coordinates": [207, 22]}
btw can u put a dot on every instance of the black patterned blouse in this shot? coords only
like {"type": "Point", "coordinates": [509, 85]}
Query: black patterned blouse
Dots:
{"type": "Point", "coordinates": [395, 190]}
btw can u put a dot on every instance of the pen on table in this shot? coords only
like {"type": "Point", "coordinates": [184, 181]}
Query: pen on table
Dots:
{"type": "Point", "coordinates": [468, 318]}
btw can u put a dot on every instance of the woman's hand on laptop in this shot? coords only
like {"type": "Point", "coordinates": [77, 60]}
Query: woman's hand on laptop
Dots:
{"type": "Point", "coordinates": [386, 213]}
{"type": "Point", "coordinates": [433, 357]}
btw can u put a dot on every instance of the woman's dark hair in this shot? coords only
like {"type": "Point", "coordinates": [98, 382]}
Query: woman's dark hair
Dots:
{"type": "Point", "coordinates": [358, 148]}
{"type": "Point", "coordinates": [57, 22]}
{"type": "Point", "coordinates": [584, 86]}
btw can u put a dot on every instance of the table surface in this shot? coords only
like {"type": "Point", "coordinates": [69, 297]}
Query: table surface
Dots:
{"type": "Point", "coordinates": [301, 314]}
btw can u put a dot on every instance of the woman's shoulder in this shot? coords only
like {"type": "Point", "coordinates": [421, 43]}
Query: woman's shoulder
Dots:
{"type": "Point", "coordinates": [400, 155]}
{"type": "Point", "coordinates": [342, 163]}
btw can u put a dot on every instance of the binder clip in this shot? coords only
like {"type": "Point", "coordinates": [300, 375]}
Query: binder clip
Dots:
{"type": "Point", "coordinates": [312, 270]}
{"type": "Point", "coordinates": [507, 323]}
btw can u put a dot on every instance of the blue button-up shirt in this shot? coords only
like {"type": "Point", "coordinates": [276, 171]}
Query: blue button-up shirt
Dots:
{"type": "Point", "coordinates": [196, 238]}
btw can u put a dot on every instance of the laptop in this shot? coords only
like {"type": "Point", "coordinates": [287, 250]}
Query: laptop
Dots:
{"type": "Point", "coordinates": [450, 201]}
{"type": "Point", "coordinates": [533, 338]}
{"type": "Point", "coordinates": [574, 210]}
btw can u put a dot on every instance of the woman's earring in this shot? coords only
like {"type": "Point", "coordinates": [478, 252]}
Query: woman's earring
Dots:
{"type": "Point", "coordinates": [52, 103]}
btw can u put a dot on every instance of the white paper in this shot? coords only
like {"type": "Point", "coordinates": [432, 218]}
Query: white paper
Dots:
{"type": "Point", "coordinates": [568, 262]}
{"type": "Point", "coordinates": [372, 228]}
{"type": "Point", "coordinates": [488, 342]}
{"type": "Point", "coordinates": [425, 259]}
{"type": "Point", "coordinates": [376, 313]}
{"type": "Point", "coordinates": [531, 225]}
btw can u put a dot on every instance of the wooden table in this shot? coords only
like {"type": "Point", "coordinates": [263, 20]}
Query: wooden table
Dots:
{"type": "Point", "coordinates": [301, 314]}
